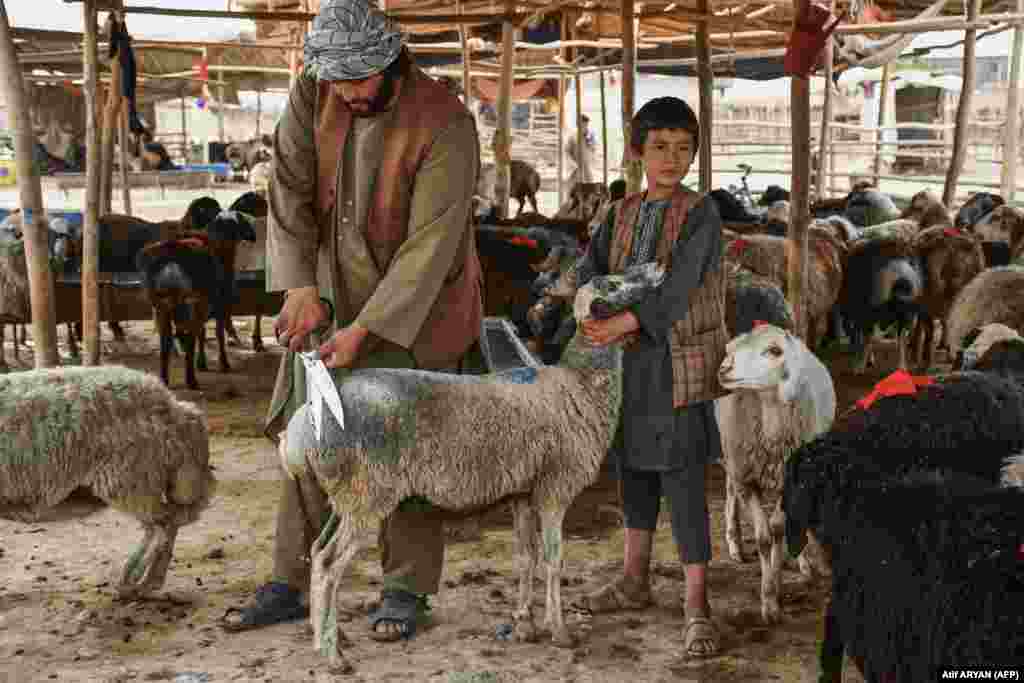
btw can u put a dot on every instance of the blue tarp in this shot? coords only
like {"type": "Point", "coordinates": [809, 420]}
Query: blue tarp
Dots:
{"type": "Point", "coordinates": [74, 218]}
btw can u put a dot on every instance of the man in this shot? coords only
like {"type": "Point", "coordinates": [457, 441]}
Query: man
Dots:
{"type": "Point", "coordinates": [583, 172]}
{"type": "Point", "coordinates": [369, 234]}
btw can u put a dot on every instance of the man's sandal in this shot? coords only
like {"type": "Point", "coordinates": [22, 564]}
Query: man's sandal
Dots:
{"type": "Point", "coordinates": [700, 637]}
{"type": "Point", "coordinates": [617, 596]}
{"type": "Point", "coordinates": [402, 609]}
{"type": "Point", "coordinates": [274, 603]}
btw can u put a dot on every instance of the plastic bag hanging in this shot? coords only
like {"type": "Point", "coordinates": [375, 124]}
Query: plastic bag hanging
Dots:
{"type": "Point", "coordinates": [807, 41]}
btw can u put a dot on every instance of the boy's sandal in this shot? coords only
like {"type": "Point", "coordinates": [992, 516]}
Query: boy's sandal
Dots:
{"type": "Point", "coordinates": [401, 608]}
{"type": "Point", "coordinates": [616, 597]}
{"type": "Point", "coordinates": [700, 637]}
{"type": "Point", "coordinates": [274, 603]}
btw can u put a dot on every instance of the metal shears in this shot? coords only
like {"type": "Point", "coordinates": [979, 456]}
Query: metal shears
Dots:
{"type": "Point", "coordinates": [320, 389]}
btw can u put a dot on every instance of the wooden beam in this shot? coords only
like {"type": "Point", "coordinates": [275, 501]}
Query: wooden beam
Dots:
{"type": "Point", "coordinates": [883, 101]}
{"type": "Point", "coordinates": [963, 109]}
{"type": "Point", "coordinates": [1011, 132]}
{"type": "Point", "coordinates": [705, 84]}
{"type": "Point", "coordinates": [503, 131]}
{"type": "Point", "coordinates": [824, 142]}
{"type": "Point", "coordinates": [30, 192]}
{"type": "Point", "coordinates": [632, 168]}
{"type": "Point", "coordinates": [93, 164]}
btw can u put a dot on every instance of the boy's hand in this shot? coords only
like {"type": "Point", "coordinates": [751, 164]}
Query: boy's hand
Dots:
{"type": "Point", "coordinates": [610, 330]}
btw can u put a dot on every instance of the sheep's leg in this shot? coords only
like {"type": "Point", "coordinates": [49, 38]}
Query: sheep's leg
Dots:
{"type": "Point", "coordinates": [188, 343]}
{"type": "Point", "coordinates": [770, 611]}
{"type": "Point", "coordinates": [17, 344]}
{"type": "Point", "coordinates": [733, 533]}
{"type": "Point", "coordinates": [864, 360]}
{"type": "Point", "coordinates": [146, 569]}
{"type": "Point", "coordinates": [551, 529]}
{"type": "Point", "coordinates": [929, 344]}
{"type": "Point", "coordinates": [201, 351]}
{"type": "Point", "coordinates": [902, 342]}
{"type": "Point", "coordinates": [3, 352]}
{"type": "Point", "coordinates": [812, 332]}
{"type": "Point", "coordinates": [257, 335]}
{"type": "Point", "coordinates": [526, 554]}
{"type": "Point", "coordinates": [117, 330]}
{"type": "Point", "coordinates": [777, 528]}
{"type": "Point", "coordinates": [533, 202]}
{"type": "Point", "coordinates": [233, 337]}
{"type": "Point", "coordinates": [166, 342]}
{"type": "Point", "coordinates": [221, 346]}
{"type": "Point", "coordinates": [72, 341]}
{"type": "Point", "coordinates": [337, 545]}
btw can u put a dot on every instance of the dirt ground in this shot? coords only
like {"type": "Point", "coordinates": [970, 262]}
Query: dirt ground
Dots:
{"type": "Point", "coordinates": [60, 620]}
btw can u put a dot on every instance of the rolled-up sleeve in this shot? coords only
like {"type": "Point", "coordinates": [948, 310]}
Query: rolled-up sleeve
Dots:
{"type": "Point", "coordinates": [697, 252]}
{"type": "Point", "coordinates": [292, 230]}
{"type": "Point", "coordinates": [438, 226]}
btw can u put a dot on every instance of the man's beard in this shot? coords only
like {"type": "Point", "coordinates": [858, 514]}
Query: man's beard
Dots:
{"type": "Point", "coordinates": [379, 104]}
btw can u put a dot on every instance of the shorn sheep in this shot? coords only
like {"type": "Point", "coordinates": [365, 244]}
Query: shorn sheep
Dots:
{"type": "Point", "coordinates": [536, 436]}
{"type": "Point", "coordinates": [116, 432]}
{"type": "Point", "coordinates": [782, 396]}
{"type": "Point", "coordinates": [995, 295]}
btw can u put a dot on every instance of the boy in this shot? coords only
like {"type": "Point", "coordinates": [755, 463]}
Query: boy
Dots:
{"type": "Point", "coordinates": [675, 342]}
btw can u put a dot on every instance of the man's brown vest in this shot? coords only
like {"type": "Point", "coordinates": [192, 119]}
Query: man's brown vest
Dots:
{"type": "Point", "coordinates": [697, 342]}
{"type": "Point", "coordinates": [424, 109]}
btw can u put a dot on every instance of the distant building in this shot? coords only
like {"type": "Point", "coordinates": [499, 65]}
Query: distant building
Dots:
{"type": "Point", "coordinates": [989, 70]}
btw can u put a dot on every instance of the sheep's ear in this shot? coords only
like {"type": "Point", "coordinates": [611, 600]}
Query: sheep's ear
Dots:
{"type": "Point", "coordinates": [791, 371]}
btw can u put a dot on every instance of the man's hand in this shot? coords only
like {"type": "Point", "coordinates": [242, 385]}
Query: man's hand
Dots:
{"type": "Point", "coordinates": [302, 313]}
{"type": "Point", "coordinates": [341, 350]}
{"type": "Point", "coordinates": [610, 330]}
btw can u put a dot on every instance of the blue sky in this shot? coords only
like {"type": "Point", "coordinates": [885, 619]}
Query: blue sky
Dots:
{"type": "Point", "coordinates": [56, 14]}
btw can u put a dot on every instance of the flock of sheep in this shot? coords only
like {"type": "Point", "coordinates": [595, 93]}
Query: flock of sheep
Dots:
{"type": "Point", "coordinates": [911, 504]}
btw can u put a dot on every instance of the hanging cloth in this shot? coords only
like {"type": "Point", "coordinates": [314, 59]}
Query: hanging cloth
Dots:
{"type": "Point", "coordinates": [121, 45]}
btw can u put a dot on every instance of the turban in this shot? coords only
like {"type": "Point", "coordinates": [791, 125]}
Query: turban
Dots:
{"type": "Point", "coordinates": [351, 40]}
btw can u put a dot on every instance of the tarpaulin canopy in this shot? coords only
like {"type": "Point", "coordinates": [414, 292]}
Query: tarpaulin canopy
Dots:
{"type": "Point", "coordinates": [486, 89]}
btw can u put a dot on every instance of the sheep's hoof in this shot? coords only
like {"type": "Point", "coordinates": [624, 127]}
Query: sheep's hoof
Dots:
{"type": "Point", "coordinates": [339, 666]}
{"type": "Point", "coordinates": [257, 345]}
{"type": "Point", "coordinates": [770, 613]}
{"type": "Point", "coordinates": [525, 631]}
{"type": "Point", "coordinates": [561, 637]}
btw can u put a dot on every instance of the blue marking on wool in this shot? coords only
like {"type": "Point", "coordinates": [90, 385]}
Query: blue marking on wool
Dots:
{"type": "Point", "coordinates": [524, 375]}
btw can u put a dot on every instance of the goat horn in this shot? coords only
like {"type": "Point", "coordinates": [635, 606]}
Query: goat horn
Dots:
{"type": "Point", "coordinates": [884, 51]}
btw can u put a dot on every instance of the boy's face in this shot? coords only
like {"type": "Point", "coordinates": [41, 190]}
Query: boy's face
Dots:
{"type": "Point", "coordinates": [667, 156]}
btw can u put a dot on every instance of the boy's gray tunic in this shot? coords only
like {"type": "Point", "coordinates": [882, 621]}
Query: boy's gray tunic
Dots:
{"type": "Point", "coordinates": [652, 435]}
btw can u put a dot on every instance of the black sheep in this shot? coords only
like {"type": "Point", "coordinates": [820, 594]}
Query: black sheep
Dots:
{"type": "Point", "coordinates": [978, 206]}
{"type": "Point", "coordinates": [866, 207]}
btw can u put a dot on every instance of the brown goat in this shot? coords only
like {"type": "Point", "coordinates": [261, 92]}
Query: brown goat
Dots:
{"type": "Point", "coordinates": [928, 210]}
{"type": "Point", "coordinates": [950, 259]}
{"type": "Point", "coordinates": [1008, 224]}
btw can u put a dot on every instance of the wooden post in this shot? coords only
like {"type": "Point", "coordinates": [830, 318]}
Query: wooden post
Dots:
{"type": "Point", "coordinates": [824, 141]}
{"type": "Point", "coordinates": [582, 154]}
{"type": "Point", "coordinates": [93, 167]}
{"type": "Point", "coordinates": [1011, 132]}
{"type": "Point", "coordinates": [564, 53]}
{"type": "Point", "coordinates": [796, 242]}
{"type": "Point", "coordinates": [186, 148]}
{"type": "Point", "coordinates": [632, 170]}
{"type": "Point", "coordinates": [220, 105]}
{"type": "Point", "coordinates": [604, 134]}
{"type": "Point", "coordinates": [503, 131]}
{"type": "Point", "coordinates": [126, 188]}
{"type": "Point", "coordinates": [705, 83]}
{"type": "Point", "coordinates": [30, 192]}
{"type": "Point", "coordinates": [466, 61]}
{"type": "Point", "coordinates": [111, 118]}
{"type": "Point", "coordinates": [963, 109]}
{"type": "Point", "coordinates": [883, 98]}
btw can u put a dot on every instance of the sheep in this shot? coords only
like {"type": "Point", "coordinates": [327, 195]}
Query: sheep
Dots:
{"type": "Point", "coordinates": [883, 283]}
{"type": "Point", "coordinates": [993, 346]}
{"type": "Point", "coordinates": [259, 177]}
{"type": "Point", "coordinates": [995, 295]}
{"type": "Point", "coordinates": [768, 255]}
{"type": "Point", "coordinates": [782, 396]}
{"type": "Point", "coordinates": [928, 210]}
{"type": "Point", "coordinates": [584, 201]}
{"type": "Point", "coordinates": [866, 206]}
{"type": "Point", "coordinates": [119, 434]}
{"type": "Point", "coordinates": [537, 435]}
{"type": "Point", "coordinates": [976, 210]}
{"type": "Point", "coordinates": [185, 283]}
{"type": "Point", "coordinates": [949, 260]}
{"type": "Point", "coordinates": [965, 423]}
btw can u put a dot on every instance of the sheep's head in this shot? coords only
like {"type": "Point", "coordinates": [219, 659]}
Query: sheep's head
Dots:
{"type": "Point", "coordinates": [200, 213]}
{"type": "Point", "coordinates": [978, 341]}
{"type": "Point", "coordinates": [232, 226]}
{"type": "Point", "coordinates": [764, 359]}
{"type": "Point", "coordinates": [1006, 225]}
{"type": "Point", "coordinates": [778, 212]}
{"type": "Point", "coordinates": [924, 203]}
{"type": "Point", "coordinates": [250, 203]}
{"type": "Point", "coordinates": [607, 295]}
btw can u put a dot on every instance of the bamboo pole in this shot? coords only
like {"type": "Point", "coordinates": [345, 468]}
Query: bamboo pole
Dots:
{"type": "Point", "coordinates": [34, 225]}
{"type": "Point", "coordinates": [126, 188]}
{"type": "Point", "coordinates": [963, 109]}
{"type": "Point", "coordinates": [631, 168]}
{"type": "Point", "coordinates": [503, 131]}
{"type": "Point", "coordinates": [824, 141]}
{"type": "Point", "coordinates": [93, 166]}
{"type": "Point", "coordinates": [796, 237]}
{"type": "Point", "coordinates": [883, 99]}
{"type": "Point", "coordinates": [582, 154]}
{"type": "Point", "coordinates": [705, 83]}
{"type": "Point", "coordinates": [604, 135]}
{"type": "Point", "coordinates": [1012, 130]}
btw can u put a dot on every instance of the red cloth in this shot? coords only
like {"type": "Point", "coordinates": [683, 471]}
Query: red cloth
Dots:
{"type": "Point", "coordinates": [951, 232]}
{"type": "Point", "coordinates": [524, 241]}
{"type": "Point", "coordinates": [737, 246]}
{"type": "Point", "coordinates": [899, 383]}
{"type": "Point", "coordinates": [758, 323]}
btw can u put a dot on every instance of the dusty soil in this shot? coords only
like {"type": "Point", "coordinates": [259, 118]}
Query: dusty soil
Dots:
{"type": "Point", "coordinates": [60, 620]}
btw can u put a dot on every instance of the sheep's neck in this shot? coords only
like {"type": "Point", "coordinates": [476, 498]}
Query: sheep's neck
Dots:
{"type": "Point", "coordinates": [775, 415]}
{"type": "Point", "coordinates": [602, 366]}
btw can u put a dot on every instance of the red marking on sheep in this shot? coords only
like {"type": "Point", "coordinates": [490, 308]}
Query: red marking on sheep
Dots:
{"type": "Point", "coordinates": [759, 323]}
{"type": "Point", "coordinates": [952, 232]}
{"type": "Point", "coordinates": [193, 243]}
{"type": "Point", "coordinates": [737, 246]}
{"type": "Point", "coordinates": [523, 242]}
{"type": "Point", "coordinates": [899, 383]}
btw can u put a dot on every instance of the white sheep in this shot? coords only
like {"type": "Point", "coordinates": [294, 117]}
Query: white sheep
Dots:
{"type": "Point", "coordinates": [118, 433]}
{"type": "Point", "coordinates": [782, 396]}
{"type": "Point", "coordinates": [535, 436]}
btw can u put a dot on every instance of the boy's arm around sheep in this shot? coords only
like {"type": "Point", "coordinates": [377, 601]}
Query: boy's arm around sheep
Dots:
{"type": "Point", "coordinates": [697, 252]}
